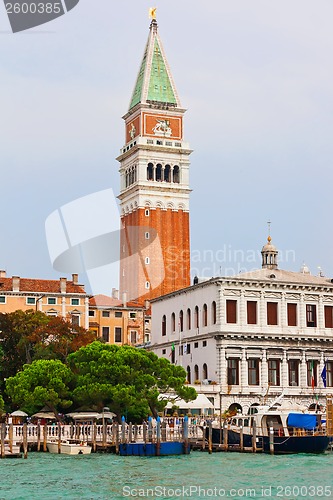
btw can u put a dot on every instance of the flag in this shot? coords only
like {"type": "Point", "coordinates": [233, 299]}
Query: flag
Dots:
{"type": "Point", "coordinates": [323, 375]}
{"type": "Point", "coordinates": [172, 349]}
{"type": "Point", "coordinates": [312, 375]}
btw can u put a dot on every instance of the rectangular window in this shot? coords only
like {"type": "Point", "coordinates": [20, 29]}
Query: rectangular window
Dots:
{"type": "Point", "coordinates": [106, 334]}
{"type": "Point", "coordinates": [311, 315]}
{"type": "Point", "coordinates": [75, 320]}
{"type": "Point", "coordinates": [272, 313]}
{"type": "Point", "coordinates": [91, 313]}
{"type": "Point", "coordinates": [233, 371]}
{"type": "Point", "coordinates": [329, 374]}
{"type": "Point", "coordinates": [293, 365]}
{"type": "Point", "coordinates": [31, 300]}
{"type": "Point", "coordinates": [274, 372]}
{"type": "Point", "coordinates": [292, 314]}
{"type": "Point", "coordinates": [312, 373]}
{"type": "Point", "coordinates": [251, 312]}
{"type": "Point", "coordinates": [204, 343]}
{"type": "Point", "coordinates": [163, 351]}
{"type": "Point", "coordinates": [117, 334]}
{"type": "Point", "coordinates": [253, 371]}
{"type": "Point", "coordinates": [231, 311]}
{"type": "Point", "coordinates": [51, 301]}
{"type": "Point", "coordinates": [118, 314]}
{"type": "Point", "coordinates": [196, 345]}
{"type": "Point", "coordinates": [2, 299]}
{"type": "Point", "coordinates": [105, 314]}
{"type": "Point", "coordinates": [75, 302]}
{"type": "Point", "coordinates": [328, 316]}
{"type": "Point", "coordinates": [134, 337]}
{"type": "Point", "coordinates": [132, 315]}
{"type": "Point", "coordinates": [188, 349]}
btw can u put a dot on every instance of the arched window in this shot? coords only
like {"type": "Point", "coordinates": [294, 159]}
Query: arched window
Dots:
{"type": "Point", "coordinates": [188, 369]}
{"type": "Point", "coordinates": [176, 176]}
{"type": "Point", "coordinates": [204, 315]}
{"type": "Point", "coordinates": [181, 321]}
{"type": "Point", "coordinates": [167, 173]}
{"type": "Point", "coordinates": [196, 317]}
{"type": "Point", "coordinates": [150, 172]}
{"type": "Point", "coordinates": [164, 325]}
{"type": "Point", "coordinates": [204, 371]}
{"type": "Point", "coordinates": [188, 319]}
{"type": "Point", "coordinates": [173, 322]}
{"type": "Point", "coordinates": [158, 172]}
{"type": "Point", "coordinates": [214, 312]}
{"type": "Point", "coordinates": [196, 373]}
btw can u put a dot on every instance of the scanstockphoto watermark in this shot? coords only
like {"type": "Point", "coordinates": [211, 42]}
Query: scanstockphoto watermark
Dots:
{"type": "Point", "coordinates": [226, 254]}
{"type": "Point", "coordinates": [193, 491]}
{"type": "Point", "coordinates": [27, 14]}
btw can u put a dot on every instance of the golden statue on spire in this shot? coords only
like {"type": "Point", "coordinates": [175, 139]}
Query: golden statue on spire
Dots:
{"type": "Point", "coordinates": [152, 12]}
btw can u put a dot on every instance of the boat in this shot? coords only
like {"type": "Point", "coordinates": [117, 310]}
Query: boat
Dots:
{"type": "Point", "coordinates": [69, 447]}
{"type": "Point", "coordinates": [276, 429]}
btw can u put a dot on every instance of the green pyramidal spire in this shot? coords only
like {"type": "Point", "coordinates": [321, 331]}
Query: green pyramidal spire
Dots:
{"type": "Point", "coordinates": [154, 82]}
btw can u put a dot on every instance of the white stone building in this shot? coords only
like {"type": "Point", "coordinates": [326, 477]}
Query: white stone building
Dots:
{"type": "Point", "coordinates": [251, 337]}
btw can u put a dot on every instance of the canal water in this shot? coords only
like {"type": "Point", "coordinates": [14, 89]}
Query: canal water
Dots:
{"type": "Point", "coordinates": [199, 475]}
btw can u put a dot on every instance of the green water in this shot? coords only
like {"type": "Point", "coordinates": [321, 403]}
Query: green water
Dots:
{"type": "Point", "coordinates": [234, 475]}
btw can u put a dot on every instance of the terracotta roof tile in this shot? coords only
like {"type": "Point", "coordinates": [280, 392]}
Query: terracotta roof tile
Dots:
{"type": "Point", "coordinates": [40, 286]}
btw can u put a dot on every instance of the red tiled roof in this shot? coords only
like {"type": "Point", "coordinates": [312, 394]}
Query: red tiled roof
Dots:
{"type": "Point", "coordinates": [106, 301]}
{"type": "Point", "coordinates": [39, 286]}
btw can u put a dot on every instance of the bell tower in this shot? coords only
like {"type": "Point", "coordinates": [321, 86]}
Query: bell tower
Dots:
{"type": "Point", "coordinates": [154, 174]}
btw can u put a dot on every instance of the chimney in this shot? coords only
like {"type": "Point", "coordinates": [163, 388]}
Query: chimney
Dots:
{"type": "Point", "coordinates": [63, 285]}
{"type": "Point", "coordinates": [2, 273]}
{"type": "Point", "coordinates": [115, 293]}
{"type": "Point", "coordinates": [16, 283]}
{"type": "Point", "coordinates": [75, 279]}
{"type": "Point", "coordinates": [125, 299]}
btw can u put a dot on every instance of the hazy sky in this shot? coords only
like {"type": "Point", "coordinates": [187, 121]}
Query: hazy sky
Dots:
{"type": "Point", "coordinates": [257, 79]}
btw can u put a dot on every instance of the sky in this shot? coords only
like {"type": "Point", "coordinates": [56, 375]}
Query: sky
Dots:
{"type": "Point", "coordinates": [256, 78]}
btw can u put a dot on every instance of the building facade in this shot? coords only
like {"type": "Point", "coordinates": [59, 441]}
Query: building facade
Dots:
{"type": "Point", "coordinates": [154, 174]}
{"type": "Point", "coordinates": [117, 323]}
{"type": "Point", "coordinates": [250, 338]}
{"type": "Point", "coordinates": [65, 298]}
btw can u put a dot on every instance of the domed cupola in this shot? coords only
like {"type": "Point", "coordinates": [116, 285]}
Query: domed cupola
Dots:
{"type": "Point", "coordinates": [269, 255]}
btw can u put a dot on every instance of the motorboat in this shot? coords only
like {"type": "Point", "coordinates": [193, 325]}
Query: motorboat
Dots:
{"type": "Point", "coordinates": [69, 447]}
{"type": "Point", "coordinates": [273, 429]}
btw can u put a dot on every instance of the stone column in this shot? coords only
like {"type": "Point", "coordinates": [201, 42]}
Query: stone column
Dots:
{"type": "Point", "coordinates": [302, 312]}
{"type": "Point", "coordinates": [284, 370]}
{"type": "Point", "coordinates": [242, 309]}
{"type": "Point", "coordinates": [321, 322]}
{"type": "Point", "coordinates": [63, 307]}
{"type": "Point", "coordinates": [264, 370]}
{"type": "Point", "coordinates": [283, 314]}
{"type": "Point", "coordinates": [223, 373]}
{"type": "Point", "coordinates": [262, 306]}
{"type": "Point", "coordinates": [303, 372]}
{"type": "Point", "coordinates": [243, 371]}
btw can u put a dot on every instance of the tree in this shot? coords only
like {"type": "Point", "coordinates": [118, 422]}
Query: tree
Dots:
{"type": "Point", "coordinates": [126, 379]}
{"type": "Point", "coordinates": [43, 382]}
{"type": "Point", "coordinates": [29, 335]}
{"type": "Point", "coordinates": [58, 338]}
{"type": "Point", "coordinates": [15, 331]}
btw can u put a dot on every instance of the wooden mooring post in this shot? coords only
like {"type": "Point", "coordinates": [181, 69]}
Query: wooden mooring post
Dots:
{"type": "Point", "coordinates": [25, 440]}
{"type": "Point", "coordinates": [271, 440]}
{"type": "Point", "coordinates": [10, 437]}
{"type": "Point", "coordinates": [158, 436]}
{"type": "Point", "coordinates": [241, 438]}
{"type": "Point", "coordinates": [225, 436]}
{"type": "Point", "coordinates": [185, 435]}
{"type": "Point", "coordinates": [45, 437]}
{"type": "Point", "coordinates": [254, 438]}
{"type": "Point", "coordinates": [94, 437]}
{"type": "Point", "coordinates": [3, 436]}
{"type": "Point", "coordinates": [210, 438]}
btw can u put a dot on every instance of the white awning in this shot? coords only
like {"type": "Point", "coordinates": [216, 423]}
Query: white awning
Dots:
{"type": "Point", "coordinates": [200, 403]}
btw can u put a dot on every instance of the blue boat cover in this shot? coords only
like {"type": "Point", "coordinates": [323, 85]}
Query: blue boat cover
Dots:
{"type": "Point", "coordinates": [302, 421]}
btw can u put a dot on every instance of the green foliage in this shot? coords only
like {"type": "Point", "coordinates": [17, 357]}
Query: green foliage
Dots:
{"type": "Point", "coordinates": [44, 382]}
{"type": "Point", "coordinates": [126, 379]}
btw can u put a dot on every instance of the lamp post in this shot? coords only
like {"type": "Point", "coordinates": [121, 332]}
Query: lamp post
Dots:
{"type": "Point", "coordinates": [105, 408]}
{"type": "Point", "coordinates": [221, 394]}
